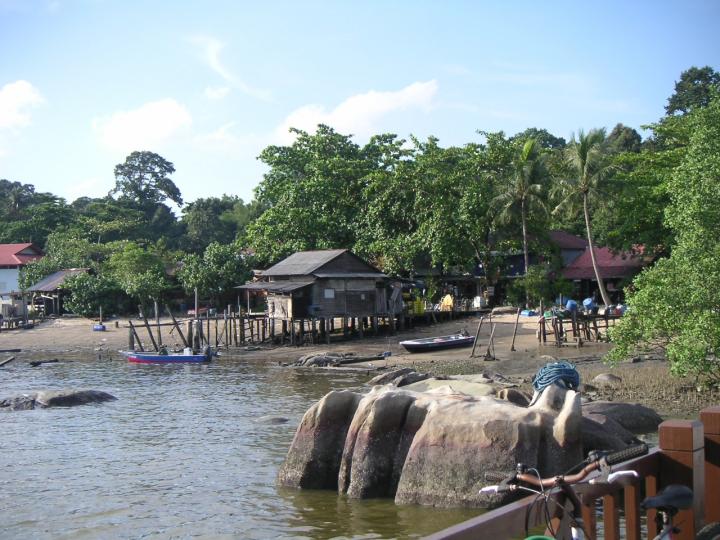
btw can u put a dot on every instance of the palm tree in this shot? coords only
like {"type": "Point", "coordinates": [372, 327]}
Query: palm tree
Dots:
{"type": "Point", "coordinates": [525, 189]}
{"type": "Point", "coordinates": [589, 166]}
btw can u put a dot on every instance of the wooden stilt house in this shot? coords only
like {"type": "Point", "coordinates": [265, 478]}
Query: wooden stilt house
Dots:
{"type": "Point", "coordinates": [322, 285]}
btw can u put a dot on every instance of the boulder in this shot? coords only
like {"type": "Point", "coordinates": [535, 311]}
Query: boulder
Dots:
{"type": "Point", "coordinates": [272, 419]}
{"type": "Point", "coordinates": [56, 398]}
{"type": "Point", "coordinates": [514, 396]}
{"type": "Point", "coordinates": [429, 443]}
{"type": "Point", "coordinates": [595, 436]}
{"type": "Point", "coordinates": [410, 378]}
{"type": "Point", "coordinates": [634, 417]}
{"type": "Point", "coordinates": [606, 380]}
{"type": "Point", "coordinates": [390, 376]}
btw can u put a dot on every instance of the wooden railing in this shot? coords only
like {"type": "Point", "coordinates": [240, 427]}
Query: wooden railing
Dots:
{"type": "Point", "coordinates": [688, 453]}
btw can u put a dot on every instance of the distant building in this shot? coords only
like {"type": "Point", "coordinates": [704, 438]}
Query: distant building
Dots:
{"type": "Point", "coordinates": [614, 270]}
{"type": "Point", "coordinates": [12, 258]}
{"type": "Point", "coordinates": [322, 284]}
{"type": "Point", "coordinates": [49, 292]}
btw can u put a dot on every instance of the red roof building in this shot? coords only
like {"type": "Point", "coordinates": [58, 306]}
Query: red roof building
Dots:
{"type": "Point", "coordinates": [12, 258]}
{"type": "Point", "coordinates": [610, 265]}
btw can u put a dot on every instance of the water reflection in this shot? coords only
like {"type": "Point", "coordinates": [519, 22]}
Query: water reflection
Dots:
{"type": "Point", "coordinates": [178, 454]}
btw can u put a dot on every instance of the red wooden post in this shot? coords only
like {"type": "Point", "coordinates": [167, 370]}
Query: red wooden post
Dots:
{"type": "Point", "coordinates": [632, 512]}
{"type": "Point", "coordinates": [710, 418]}
{"type": "Point", "coordinates": [682, 462]}
{"type": "Point", "coordinates": [611, 517]}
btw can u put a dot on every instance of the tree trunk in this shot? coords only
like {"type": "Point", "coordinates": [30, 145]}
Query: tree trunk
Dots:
{"type": "Point", "coordinates": [525, 248]}
{"type": "Point", "coordinates": [601, 285]}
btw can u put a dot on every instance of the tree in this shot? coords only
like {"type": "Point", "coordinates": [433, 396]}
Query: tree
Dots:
{"type": "Point", "coordinates": [144, 179]}
{"type": "Point", "coordinates": [694, 89]}
{"type": "Point", "coordinates": [623, 139]}
{"type": "Point", "coordinates": [63, 250]}
{"type": "Point", "coordinates": [524, 189]}
{"type": "Point", "coordinates": [544, 138]}
{"type": "Point", "coordinates": [674, 306]}
{"type": "Point", "coordinates": [216, 272]}
{"type": "Point", "coordinates": [89, 293]}
{"type": "Point", "coordinates": [214, 219]}
{"type": "Point", "coordinates": [311, 193]}
{"type": "Point", "coordinates": [139, 272]}
{"type": "Point", "coordinates": [589, 167]}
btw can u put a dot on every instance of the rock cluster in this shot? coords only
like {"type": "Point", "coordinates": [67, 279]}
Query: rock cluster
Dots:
{"type": "Point", "coordinates": [55, 398]}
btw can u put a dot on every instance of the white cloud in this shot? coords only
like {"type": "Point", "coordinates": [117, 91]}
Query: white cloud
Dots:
{"type": "Point", "coordinates": [145, 127]}
{"type": "Point", "coordinates": [15, 100]}
{"type": "Point", "coordinates": [360, 113]}
{"type": "Point", "coordinates": [216, 92]}
{"type": "Point", "coordinates": [223, 139]}
{"type": "Point", "coordinates": [211, 49]}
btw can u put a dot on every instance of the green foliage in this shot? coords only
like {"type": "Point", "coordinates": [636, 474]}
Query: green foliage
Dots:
{"type": "Point", "coordinates": [144, 179]}
{"type": "Point", "coordinates": [540, 284]}
{"type": "Point", "coordinates": [675, 305]}
{"type": "Point", "coordinates": [89, 293]}
{"type": "Point", "coordinates": [544, 138]}
{"type": "Point", "coordinates": [215, 273]}
{"type": "Point", "coordinates": [62, 251]}
{"type": "Point", "coordinates": [694, 89]}
{"type": "Point", "coordinates": [216, 219]}
{"type": "Point", "coordinates": [311, 194]}
{"type": "Point", "coordinates": [139, 272]}
{"type": "Point", "coordinates": [588, 167]}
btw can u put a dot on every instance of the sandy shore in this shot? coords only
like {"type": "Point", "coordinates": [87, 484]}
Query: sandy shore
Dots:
{"type": "Point", "coordinates": [647, 382]}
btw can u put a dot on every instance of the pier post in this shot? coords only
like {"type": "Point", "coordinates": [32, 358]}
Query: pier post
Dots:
{"type": "Point", "coordinates": [683, 456]}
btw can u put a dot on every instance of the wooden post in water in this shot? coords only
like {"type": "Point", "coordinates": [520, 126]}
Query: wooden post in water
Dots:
{"type": "Point", "coordinates": [149, 331]}
{"type": "Point", "coordinates": [517, 320]}
{"type": "Point", "coordinates": [137, 338]}
{"type": "Point", "coordinates": [189, 330]}
{"type": "Point", "coordinates": [477, 337]}
{"type": "Point", "coordinates": [177, 326]}
{"type": "Point", "coordinates": [157, 322]}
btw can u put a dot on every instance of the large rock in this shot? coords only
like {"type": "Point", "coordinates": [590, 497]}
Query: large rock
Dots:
{"type": "Point", "coordinates": [55, 398]}
{"type": "Point", "coordinates": [429, 446]}
{"type": "Point", "coordinates": [633, 417]}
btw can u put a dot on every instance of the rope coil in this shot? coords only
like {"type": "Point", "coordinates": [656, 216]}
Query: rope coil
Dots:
{"type": "Point", "coordinates": [563, 372]}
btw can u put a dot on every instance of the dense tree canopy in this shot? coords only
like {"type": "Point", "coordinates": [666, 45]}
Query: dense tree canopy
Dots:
{"type": "Point", "coordinates": [675, 305]}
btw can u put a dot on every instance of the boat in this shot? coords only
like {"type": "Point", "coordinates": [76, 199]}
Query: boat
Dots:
{"type": "Point", "coordinates": [438, 343]}
{"type": "Point", "coordinates": [187, 356]}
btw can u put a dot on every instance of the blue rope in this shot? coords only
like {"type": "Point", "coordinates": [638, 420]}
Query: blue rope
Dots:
{"type": "Point", "coordinates": [554, 372]}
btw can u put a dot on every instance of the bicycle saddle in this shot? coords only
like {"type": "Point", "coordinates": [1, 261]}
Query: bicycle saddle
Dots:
{"type": "Point", "coordinates": [670, 499]}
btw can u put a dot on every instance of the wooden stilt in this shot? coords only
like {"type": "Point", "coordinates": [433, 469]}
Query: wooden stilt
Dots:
{"type": "Point", "coordinates": [517, 320]}
{"type": "Point", "coordinates": [177, 327]}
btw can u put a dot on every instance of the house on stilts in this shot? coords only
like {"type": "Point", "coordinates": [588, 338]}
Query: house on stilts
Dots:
{"type": "Point", "coordinates": [310, 292]}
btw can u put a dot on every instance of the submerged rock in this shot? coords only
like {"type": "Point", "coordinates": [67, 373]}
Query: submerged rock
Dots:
{"type": "Point", "coordinates": [429, 443]}
{"type": "Point", "coordinates": [55, 398]}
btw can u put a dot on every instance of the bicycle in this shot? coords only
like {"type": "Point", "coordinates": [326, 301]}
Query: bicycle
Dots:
{"type": "Point", "coordinates": [667, 503]}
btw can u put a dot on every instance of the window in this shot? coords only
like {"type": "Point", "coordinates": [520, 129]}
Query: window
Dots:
{"type": "Point", "coordinates": [329, 293]}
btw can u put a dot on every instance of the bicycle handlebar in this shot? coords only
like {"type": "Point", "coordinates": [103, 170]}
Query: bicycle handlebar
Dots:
{"type": "Point", "coordinates": [601, 459]}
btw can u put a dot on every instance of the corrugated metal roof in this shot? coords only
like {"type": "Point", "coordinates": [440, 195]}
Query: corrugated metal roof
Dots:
{"type": "Point", "coordinates": [350, 275]}
{"type": "Point", "coordinates": [565, 240]}
{"type": "Point", "coordinates": [276, 286]}
{"type": "Point", "coordinates": [55, 281]}
{"type": "Point", "coordinates": [303, 263]}
{"type": "Point", "coordinates": [610, 265]}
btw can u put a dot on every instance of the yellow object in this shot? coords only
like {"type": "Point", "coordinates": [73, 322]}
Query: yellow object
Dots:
{"type": "Point", "coordinates": [446, 304]}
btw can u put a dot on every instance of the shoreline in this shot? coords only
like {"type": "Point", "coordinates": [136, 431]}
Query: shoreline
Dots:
{"type": "Point", "coordinates": [647, 381]}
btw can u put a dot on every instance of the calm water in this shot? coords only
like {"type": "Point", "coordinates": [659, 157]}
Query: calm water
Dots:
{"type": "Point", "coordinates": [177, 455]}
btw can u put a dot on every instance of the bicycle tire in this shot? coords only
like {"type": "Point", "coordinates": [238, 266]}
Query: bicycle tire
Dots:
{"type": "Point", "coordinates": [711, 531]}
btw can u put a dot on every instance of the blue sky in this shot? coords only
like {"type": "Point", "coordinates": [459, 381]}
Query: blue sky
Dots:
{"type": "Point", "coordinates": [208, 85]}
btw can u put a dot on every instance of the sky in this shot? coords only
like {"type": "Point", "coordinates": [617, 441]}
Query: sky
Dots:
{"type": "Point", "coordinates": [208, 85]}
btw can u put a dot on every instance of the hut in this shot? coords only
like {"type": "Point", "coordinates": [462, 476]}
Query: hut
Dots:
{"type": "Point", "coordinates": [48, 293]}
{"type": "Point", "coordinates": [323, 284]}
